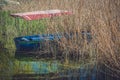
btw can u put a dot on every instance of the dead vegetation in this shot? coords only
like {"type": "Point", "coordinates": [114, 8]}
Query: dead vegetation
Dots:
{"type": "Point", "coordinates": [100, 17]}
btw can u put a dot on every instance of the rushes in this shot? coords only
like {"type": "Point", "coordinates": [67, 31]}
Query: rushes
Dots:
{"type": "Point", "coordinates": [100, 17]}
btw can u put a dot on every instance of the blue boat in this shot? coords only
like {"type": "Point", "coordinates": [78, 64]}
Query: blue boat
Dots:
{"type": "Point", "coordinates": [37, 42]}
{"type": "Point", "coordinates": [34, 42]}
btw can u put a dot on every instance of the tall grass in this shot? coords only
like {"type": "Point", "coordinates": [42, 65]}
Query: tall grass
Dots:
{"type": "Point", "coordinates": [100, 17]}
{"type": "Point", "coordinates": [11, 29]}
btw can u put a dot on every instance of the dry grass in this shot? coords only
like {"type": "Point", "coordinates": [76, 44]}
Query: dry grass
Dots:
{"type": "Point", "coordinates": [101, 17]}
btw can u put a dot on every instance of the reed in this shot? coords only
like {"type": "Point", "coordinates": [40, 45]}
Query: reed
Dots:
{"type": "Point", "coordinates": [100, 17]}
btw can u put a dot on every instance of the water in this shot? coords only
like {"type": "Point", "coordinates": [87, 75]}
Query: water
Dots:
{"type": "Point", "coordinates": [12, 68]}
{"type": "Point", "coordinates": [30, 68]}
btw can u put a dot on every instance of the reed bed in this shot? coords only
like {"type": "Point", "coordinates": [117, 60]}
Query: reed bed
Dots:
{"type": "Point", "coordinates": [100, 17]}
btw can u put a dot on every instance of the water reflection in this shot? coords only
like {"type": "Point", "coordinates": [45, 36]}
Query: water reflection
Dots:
{"type": "Point", "coordinates": [36, 67]}
{"type": "Point", "coordinates": [12, 68]}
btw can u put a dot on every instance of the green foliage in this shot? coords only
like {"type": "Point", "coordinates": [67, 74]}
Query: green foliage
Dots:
{"type": "Point", "coordinates": [9, 28]}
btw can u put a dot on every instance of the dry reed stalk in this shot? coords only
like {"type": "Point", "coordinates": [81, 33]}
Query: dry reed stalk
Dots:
{"type": "Point", "coordinates": [101, 17]}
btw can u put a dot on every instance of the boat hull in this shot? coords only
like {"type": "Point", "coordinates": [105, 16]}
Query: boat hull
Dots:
{"type": "Point", "coordinates": [35, 42]}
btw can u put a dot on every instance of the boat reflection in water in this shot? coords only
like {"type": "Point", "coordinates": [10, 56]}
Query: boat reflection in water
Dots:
{"type": "Point", "coordinates": [51, 69]}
